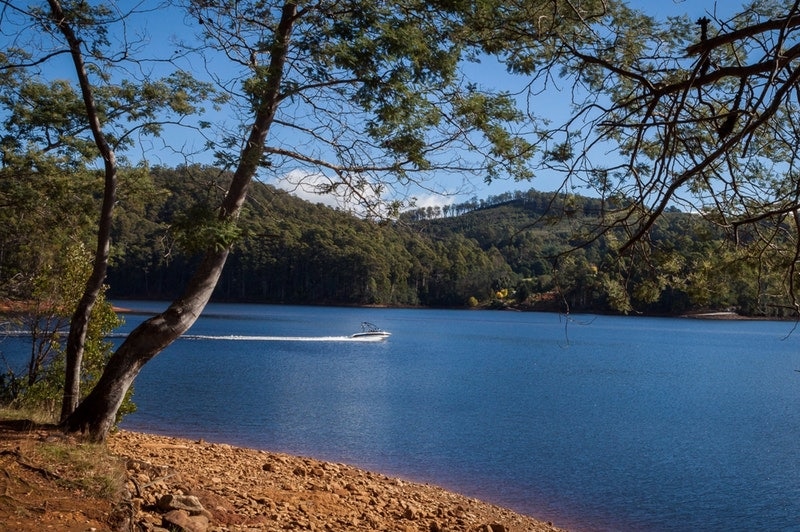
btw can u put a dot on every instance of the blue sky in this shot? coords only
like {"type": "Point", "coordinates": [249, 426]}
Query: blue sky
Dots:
{"type": "Point", "coordinates": [162, 29]}
{"type": "Point", "coordinates": [556, 101]}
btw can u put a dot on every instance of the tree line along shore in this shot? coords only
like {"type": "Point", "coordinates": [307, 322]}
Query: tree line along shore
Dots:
{"type": "Point", "coordinates": [519, 250]}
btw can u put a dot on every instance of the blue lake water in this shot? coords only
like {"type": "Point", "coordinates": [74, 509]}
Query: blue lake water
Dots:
{"type": "Point", "coordinates": [594, 423]}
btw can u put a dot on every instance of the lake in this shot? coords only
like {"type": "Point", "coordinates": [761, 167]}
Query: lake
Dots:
{"type": "Point", "coordinates": [592, 422]}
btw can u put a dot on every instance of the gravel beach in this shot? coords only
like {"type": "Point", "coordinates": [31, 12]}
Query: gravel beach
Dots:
{"type": "Point", "coordinates": [245, 489]}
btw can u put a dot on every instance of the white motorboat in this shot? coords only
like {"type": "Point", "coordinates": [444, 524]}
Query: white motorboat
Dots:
{"type": "Point", "coordinates": [370, 332]}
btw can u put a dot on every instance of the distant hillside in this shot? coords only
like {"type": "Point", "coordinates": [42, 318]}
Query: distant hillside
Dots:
{"type": "Point", "coordinates": [520, 249]}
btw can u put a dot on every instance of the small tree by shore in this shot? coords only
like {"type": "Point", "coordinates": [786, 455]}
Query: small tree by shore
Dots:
{"type": "Point", "coordinates": [40, 386]}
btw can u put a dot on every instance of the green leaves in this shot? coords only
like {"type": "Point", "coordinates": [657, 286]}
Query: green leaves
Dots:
{"type": "Point", "coordinates": [49, 116]}
{"type": "Point", "coordinates": [44, 116]}
{"type": "Point", "coordinates": [201, 229]}
{"type": "Point", "coordinates": [371, 89]}
{"type": "Point", "coordinates": [57, 290]}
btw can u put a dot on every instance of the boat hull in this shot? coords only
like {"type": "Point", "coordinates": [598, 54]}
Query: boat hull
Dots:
{"type": "Point", "coordinates": [371, 335]}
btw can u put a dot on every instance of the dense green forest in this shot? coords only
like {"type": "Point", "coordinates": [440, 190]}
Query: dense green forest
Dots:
{"type": "Point", "coordinates": [520, 250]}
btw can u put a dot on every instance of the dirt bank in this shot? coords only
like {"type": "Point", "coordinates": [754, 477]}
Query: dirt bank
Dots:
{"type": "Point", "coordinates": [198, 486]}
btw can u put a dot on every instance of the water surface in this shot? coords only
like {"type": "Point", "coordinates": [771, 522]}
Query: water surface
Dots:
{"type": "Point", "coordinates": [595, 423]}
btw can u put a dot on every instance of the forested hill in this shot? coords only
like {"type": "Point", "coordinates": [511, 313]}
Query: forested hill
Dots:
{"type": "Point", "coordinates": [504, 251]}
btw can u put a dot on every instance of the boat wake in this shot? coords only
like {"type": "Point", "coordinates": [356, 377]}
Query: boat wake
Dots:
{"type": "Point", "coordinates": [282, 338]}
{"type": "Point", "coordinates": [234, 337]}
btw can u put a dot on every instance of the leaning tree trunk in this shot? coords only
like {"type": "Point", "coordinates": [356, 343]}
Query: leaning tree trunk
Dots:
{"type": "Point", "coordinates": [97, 413]}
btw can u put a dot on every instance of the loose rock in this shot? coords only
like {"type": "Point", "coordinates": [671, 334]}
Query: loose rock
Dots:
{"type": "Point", "coordinates": [219, 488]}
{"type": "Point", "coordinates": [183, 522]}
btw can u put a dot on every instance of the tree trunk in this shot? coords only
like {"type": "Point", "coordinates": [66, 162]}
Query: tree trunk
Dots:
{"type": "Point", "coordinates": [97, 413]}
{"type": "Point", "coordinates": [79, 324]}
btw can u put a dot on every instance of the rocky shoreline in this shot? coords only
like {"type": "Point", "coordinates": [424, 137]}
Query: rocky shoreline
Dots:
{"type": "Point", "coordinates": [197, 486]}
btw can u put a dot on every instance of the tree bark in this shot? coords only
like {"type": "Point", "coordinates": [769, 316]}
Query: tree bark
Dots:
{"type": "Point", "coordinates": [76, 340]}
{"type": "Point", "coordinates": [96, 414]}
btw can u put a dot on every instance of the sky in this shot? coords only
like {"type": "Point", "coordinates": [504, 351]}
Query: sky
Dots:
{"type": "Point", "coordinates": [163, 30]}
{"type": "Point", "coordinates": [459, 190]}
{"type": "Point", "coordinates": [557, 101]}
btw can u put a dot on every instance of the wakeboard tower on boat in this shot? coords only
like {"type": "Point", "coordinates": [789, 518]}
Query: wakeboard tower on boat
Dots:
{"type": "Point", "coordinates": [370, 331]}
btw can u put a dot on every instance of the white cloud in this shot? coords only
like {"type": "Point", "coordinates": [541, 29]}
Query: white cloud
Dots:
{"type": "Point", "coordinates": [319, 188]}
{"type": "Point", "coordinates": [357, 198]}
{"type": "Point", "coordinates": [309, 187]}
{"type": "Point", "coordinates": [433, 200]}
